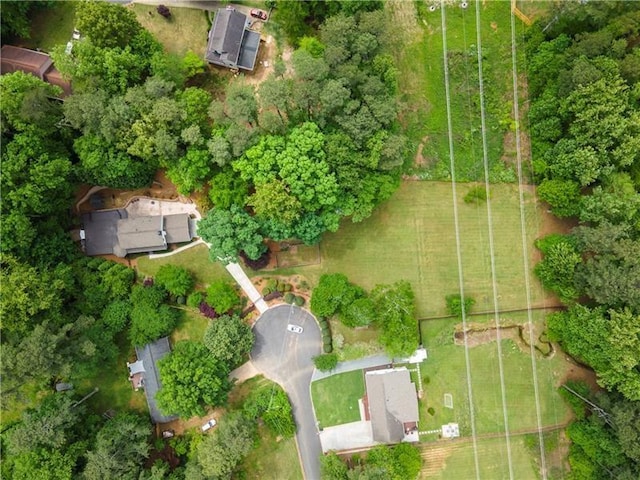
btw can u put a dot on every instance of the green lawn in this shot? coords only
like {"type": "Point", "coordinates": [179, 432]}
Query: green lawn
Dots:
{"type": "Point", "coordinates": [412, 237]}
{"type": "Point", "coordinates": [455, 461]}
{"type": "Point", "coordinates": [446, 372]}
{"type": "Point", "coordinates": [272, 459]}
{"type": "Point", "coordinates": [191, 326]}
{"type": "Point", "coordinates": [52, 26]}
{"type": "Point", "coordinates": [422, 88]}
{"type": "Point", "coordinates": [195, 259]}
{"type": "Point", "coordinates": [335, 399]}
{"type": "Point", "coordinates": [187, 29]}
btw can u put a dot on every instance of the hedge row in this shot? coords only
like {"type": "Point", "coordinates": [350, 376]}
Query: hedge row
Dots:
{"type": "Point", "coordinates": [327, 344]}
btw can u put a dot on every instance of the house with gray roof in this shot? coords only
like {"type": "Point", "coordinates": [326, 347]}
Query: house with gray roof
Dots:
{"type": "Point", "coordinates": [392, 403]}
{"type": "Point", "coordinates": [231, 43]}
{"type": "Point", "coordinates": [109, 232]}
{"type": "Point", "coordinates": [144, 374]}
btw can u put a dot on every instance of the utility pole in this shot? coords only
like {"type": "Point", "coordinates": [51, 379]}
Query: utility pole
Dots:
{"type": "Point", "coordinates": [601, 412]}
{"type": "Point", "coordinates": [86, 397]}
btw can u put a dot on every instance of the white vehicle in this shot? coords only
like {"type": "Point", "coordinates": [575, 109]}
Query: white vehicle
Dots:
{"type": "Point", "coordinates": [294, 328]}
{"type": "Point", "coordinates": [210, 424]}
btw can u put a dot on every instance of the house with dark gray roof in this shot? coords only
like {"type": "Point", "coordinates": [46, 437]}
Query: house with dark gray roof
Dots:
{"type": "Point", "coordinates": [144, 373]}
{"type": "Point", "coordinates": [392, 403]}
{"type": "Point", "coordinates": [114, 232]}
{"type": "Point", "coordinates": [231, 43]}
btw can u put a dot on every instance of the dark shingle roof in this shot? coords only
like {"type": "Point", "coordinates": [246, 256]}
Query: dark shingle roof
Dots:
{"type": "Point", "coordinates": [231, 43]}
{"type": "Point", "coordinates": [149, 355]}
{"type": "Point", "coordinates": [392, 402]}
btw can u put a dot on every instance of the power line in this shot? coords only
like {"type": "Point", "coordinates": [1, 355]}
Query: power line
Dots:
{"type": "Point", "coordinates": [525, 262]}
{"type": "Point", "coordinates": [491, 243]}
{"type": "Point", "coordinates": [457, 231]}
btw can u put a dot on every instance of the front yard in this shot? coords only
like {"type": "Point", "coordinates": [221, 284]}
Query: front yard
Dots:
{"type": "Point", "coordinates": [335, 398]}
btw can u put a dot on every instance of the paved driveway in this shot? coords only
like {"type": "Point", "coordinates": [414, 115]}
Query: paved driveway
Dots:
{"type": "Point", "coordinates": [286, 358]}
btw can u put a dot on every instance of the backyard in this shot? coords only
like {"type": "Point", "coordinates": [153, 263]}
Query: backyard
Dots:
{"type": "Point", "coordinates": [445, 372]}
{"type": "Point", "coordinates": [335, 398]}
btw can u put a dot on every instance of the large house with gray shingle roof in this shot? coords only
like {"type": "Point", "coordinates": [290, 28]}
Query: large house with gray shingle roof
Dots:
{"type": "Point", "coordinates": [392, 402]}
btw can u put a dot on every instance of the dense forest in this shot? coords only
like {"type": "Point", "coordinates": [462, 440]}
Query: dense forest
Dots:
{"type": "Point", "coordinates": [584, 78]}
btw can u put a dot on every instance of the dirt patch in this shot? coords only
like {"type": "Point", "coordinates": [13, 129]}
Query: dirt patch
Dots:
{"type": "Point", "coordinates": [419, 160]}
{"type": "Point", "coordinates": [581, 373]}
{"type": "Point", "coordinates": [481, 333]}
{"type": "Point", "coordinates": [180, 426]}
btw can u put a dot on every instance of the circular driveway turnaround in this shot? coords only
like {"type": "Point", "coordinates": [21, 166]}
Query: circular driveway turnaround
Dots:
{"type": "Point", "coordinates": [286, 358]}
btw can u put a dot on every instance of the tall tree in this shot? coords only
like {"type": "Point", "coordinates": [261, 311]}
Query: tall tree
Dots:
{"type": "Point", "coordinates": [106, 24]}
{"type": "Point", "coordinates": [191, 378]}
{"type": "Point", "coordinates": [229, 339]}
{"type": "Point", "coordinates": [230, 231]}
{"type": "Point", "coordinates": [396, 316]}
{"type": "Point", "coordinates": [120, 449]}
{"type": "Point", "coordinates": [220, 453]}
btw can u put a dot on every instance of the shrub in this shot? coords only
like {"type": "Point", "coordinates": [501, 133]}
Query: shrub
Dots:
{"type": "Point", "coordinates": [207, 310]}
{"type": "Point", "coordinates": [164, 11]}
{"type": "Point", "coordinates": [327, 348]}
{"type": "Point", "coordinates": [454, 304]}
{"type": "Point", "coordinates": [261, 262]}
{"type": "Point", "coordinates": [338, 341]}
{"type": "Point", "coordinates": [477, 194]}
{"type": "Point", "coordinates": [181, 300]}
{"type": "Point", "coordinates": [272, 283]}
{"type": "Point", "coordinates": [289, 297]}
{"type": "Point", "coordinates": [176, 280]}
{"type": "Point", "coordinates": [287, 287]}
{"type": "Point", "coordinates": [299, 301]}
{"type": "Point", "coordinates": [222, 296]}
{"type": "Point", "coordinates": [266, 291]}
{"type": "Point", "coordinates": [326, 362]}
{"type": "Point", "coordinates": [431, 411]}
{"type": "Point", "coordinates": [195, 299]}
{"type": "Point", "coordinates": [426, 379]}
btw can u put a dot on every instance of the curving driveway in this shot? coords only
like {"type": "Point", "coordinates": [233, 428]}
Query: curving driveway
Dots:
{"type": "Point", "coordinates": [286, 358]}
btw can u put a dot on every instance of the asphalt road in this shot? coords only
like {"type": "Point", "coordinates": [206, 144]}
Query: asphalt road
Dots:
{"type": "Point", "coordinates": [286, 358]}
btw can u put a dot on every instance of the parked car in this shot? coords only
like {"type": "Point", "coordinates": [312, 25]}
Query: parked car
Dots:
{"type": "Point", "coordinates": [210, 424]}
{"type": "Point", "coordinates": [294, 328]}
{"type": "Point", "coordinates": [257, 13]}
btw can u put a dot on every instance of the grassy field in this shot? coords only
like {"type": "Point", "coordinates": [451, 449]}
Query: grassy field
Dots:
{"type": "Point", "coordinates": [455, 460]}
{"type": "Point", "coordinates": [52, 26]}
{"type": "Point", "coordinates": [187, 29]}
{"type": "Point", "coordinates": [412, 237]}
{"type": "Point", "coordinates": [445, 372]}
{"type": "Point", "coordinates": [423, 93]}
{"type": "Point", "coordinates": [195, 259]}
{"type": "Point", "coordinates": [335, 399]}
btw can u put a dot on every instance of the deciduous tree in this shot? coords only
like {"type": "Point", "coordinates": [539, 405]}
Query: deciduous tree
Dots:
{"type": "Point", "coordinates": [229, 339]}
{"type": "Point", "coordinates": [191, 378]}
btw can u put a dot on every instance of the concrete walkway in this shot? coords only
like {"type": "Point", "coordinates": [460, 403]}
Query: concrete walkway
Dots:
{"type": "Point", "coordinates": [238, 274]}
{"type": "Point", "coordinates": [177, 250]}
{"type": "Point", "coordinates": [244, 372]}
{"type": "Point", "coordinates": [367, 362]}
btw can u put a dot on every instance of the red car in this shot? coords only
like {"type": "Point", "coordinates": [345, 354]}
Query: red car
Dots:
{"type": "Point", "coordinates": [256, 13]}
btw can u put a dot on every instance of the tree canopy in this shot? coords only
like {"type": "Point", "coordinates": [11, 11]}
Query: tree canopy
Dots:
{"type": "Point", "coordinates": [191, 378]}
{"type": "Point", "coordinates": [229, 339]}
